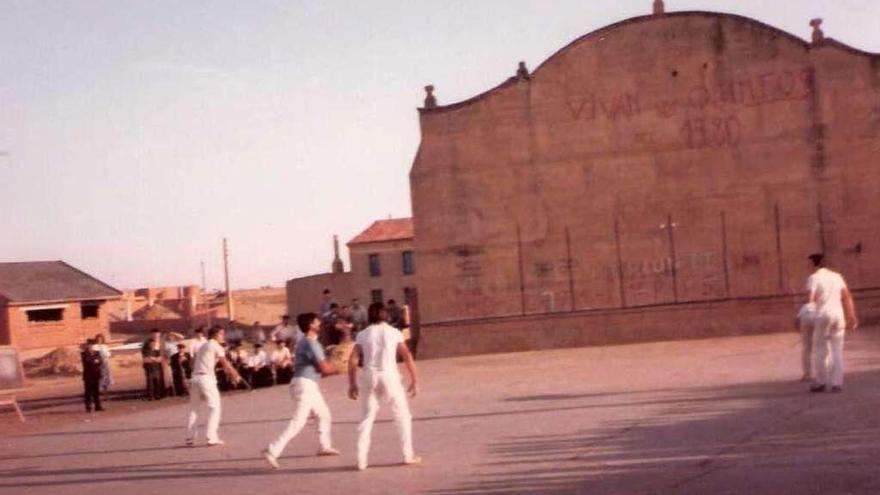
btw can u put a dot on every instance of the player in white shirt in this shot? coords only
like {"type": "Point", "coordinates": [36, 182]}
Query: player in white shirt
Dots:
{"type": "Point", "coordinates": [203, 386]}
{"type": "Point", "coordinates": [377, 347]}
{"type": "Point", "coordinates": [835, 313]}
{"type": "Point", "coordinates": [197, 342]}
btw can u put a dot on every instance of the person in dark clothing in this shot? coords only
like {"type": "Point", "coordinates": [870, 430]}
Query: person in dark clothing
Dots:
{"type": "Point", "coordinates": [92, 362]}
{"type": "Point", "coordinates": [153, 372]}
{"type": "Point", "coordinates": [181, 370]}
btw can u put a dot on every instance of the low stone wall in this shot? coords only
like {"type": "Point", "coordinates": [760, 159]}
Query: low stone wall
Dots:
{"type": "Point", "coordinates": [624, 326]}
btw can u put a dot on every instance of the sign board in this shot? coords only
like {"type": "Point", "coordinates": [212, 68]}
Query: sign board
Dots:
{"type": "Point", "coordinates": [11, 372]}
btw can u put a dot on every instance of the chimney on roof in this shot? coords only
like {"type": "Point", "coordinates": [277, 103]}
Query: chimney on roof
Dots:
{"type": "Point", "coordinates": [522, 73]}
{"type": "Point", "coordinates": [337, 267]}
{"type": "Point", "coordinates": [818, 34]}
{"type": "Point", "coordinates": [659, 8]}
{"type": "Point", "coordinates": [430, 101]}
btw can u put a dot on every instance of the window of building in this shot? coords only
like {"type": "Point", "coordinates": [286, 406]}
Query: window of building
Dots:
{"type": "Point", "coordinates": [49, 314]}
{"type": "Point", "coordinates": [89, 310]}
{"type": "Point", "coordinates": [375, 269]}
{"type": "Point", "coordinates": [376, 296]}
{"type": "Point", "coordinates": [409, 267]}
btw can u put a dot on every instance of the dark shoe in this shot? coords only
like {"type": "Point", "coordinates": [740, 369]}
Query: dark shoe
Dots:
{"type": "Point", "coordinates": [99, 408]}
{"type": "Point", "coordinates": [836, 390]}
{"type": "Point", "coordinates": [88, 409]}
{"type": "Point", "coordinates": [817, 388]}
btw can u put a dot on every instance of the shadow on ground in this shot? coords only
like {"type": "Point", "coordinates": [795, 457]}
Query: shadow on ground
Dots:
{"type": "Point", "coordinates": [772, 437]}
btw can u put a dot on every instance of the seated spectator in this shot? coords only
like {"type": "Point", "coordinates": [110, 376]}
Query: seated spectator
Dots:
{"type": "Point", "coordinates": [282, 361]}
{"type": "Point", "coordinates": [259, 367]}
{"type": "Point", "coordinates": [238, 357]}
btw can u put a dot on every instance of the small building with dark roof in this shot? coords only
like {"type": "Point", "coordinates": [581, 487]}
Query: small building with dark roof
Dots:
{"type": "Point", "coordinates": [46, 304]}
{"type": "Point", "coordinates": [382, 266]}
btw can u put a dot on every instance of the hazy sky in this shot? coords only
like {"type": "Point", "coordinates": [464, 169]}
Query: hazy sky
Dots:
{"type": "Point", "coordinates": [139, 133]}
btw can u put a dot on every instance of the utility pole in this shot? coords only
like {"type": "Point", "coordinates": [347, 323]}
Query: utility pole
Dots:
{"type": "Point", "coordinates": [229, 312]}
{"type": "Point", "coordinates": [204, 284]}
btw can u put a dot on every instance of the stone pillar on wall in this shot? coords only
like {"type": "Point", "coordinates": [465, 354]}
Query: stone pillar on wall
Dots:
{"type": "Point", "coordinates": [659, 8]}
{"type": "Point", "coordinates": [337, 266]}
{"type": "Point", "coordinates": [818, 34]}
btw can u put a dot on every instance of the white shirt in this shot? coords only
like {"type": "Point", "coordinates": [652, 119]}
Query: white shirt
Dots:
{"type": "Point", "coordinates": [206, 358]}
{"type": "Point", "coordinates": [280, 355]}
{"type": "Point", "coordinates": [827, 286]}
{"type": "Point", "coordinates": [196, 344]}
{"type": "Point", "coordinates": [258, 360]}
{"type": "Point", "coordinates": [379, 345]}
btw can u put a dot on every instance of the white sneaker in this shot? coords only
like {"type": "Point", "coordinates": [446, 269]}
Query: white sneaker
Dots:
{"type": "Point", "coordinates": [216, 443]}
{"type": "Point", "coordinates": [361, 467]}
{"type": "Point", "coordinates": [271, 459]}
{"type": "Point", "coordinates": [329, 451]}
{"type": "Point", "coordinates": [413, 460]}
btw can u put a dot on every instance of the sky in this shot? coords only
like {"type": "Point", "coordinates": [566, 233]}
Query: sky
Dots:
{"type": "Point", "coordinates": [135, 135]}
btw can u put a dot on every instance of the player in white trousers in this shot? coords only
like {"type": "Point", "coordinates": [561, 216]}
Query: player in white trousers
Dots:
{"type": "Point", "coordinates": [203, 387]}
{"type": "Point", "coordinates": [835, 313]}
{"type": "Point", "coordinates": [310, 364]}
{"type": "Point", "coordinates": [377, 348]}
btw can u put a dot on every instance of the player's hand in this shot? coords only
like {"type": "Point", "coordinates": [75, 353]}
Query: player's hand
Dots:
{"type": "Point", "coordinates": [353, 392]}
{"type": "Point", "coordinates": [852, 325]}
{"type": "Point", "coordinates": [413, 389]}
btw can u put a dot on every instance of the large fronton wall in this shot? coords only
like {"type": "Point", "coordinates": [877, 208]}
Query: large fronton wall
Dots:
{"type": "Point", "coordinates": [664, 160]}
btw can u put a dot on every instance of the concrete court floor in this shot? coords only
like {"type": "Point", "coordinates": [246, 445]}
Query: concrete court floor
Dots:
{"type": "Point", "coordinates": [711, 416]}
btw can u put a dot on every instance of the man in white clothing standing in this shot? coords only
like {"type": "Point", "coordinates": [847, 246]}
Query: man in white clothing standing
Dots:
{"type": "Point", "coordinates": [203, 386]}
{"type": "Point", "coordinates": [835, 313]}
{"type": "Point", "coordinates": [377, 347]}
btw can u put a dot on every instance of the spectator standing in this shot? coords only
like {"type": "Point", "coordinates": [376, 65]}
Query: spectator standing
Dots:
{"type": "Point", "coordinates": [104, 351]}
{"type": "Point", "coordinates": [91, 375]}
{"type": "Point", "coordinates": [151, 351]}
{"type": "Point", "coordinates": [257, 334]}
{"type": "Point", "coordinates": [181, 370]}
{"type": "Point", "coordinates": [326, 301]}
{"type": "Point", "coordinates": [286, 332]}
{"type": "Point", "coordinates": [358, 315]}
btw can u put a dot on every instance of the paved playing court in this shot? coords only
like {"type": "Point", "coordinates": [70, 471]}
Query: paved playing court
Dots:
{"type": "Point", "coordinates": [713, 416]}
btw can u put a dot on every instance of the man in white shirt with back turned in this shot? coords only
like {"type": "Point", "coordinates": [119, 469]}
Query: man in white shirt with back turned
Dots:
{"type": "Point", "coordinates": [203, 386]}
{"type": "Point", "coordinates": [835, 313]}
{"type": "Point", "coordinates": [377, 347]}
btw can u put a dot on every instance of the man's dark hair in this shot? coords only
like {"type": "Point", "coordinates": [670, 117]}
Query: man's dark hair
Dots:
{"type": "Point", "coordinates": [817, 259]}
{"type": "Point", "coordinates": [216, 329]}
{"type": "Point", "coordinates": [334, 306]}
{"type": "Point", "coordinates": [258, 345]}
{"type": "Point", "coordinates": [285, 317]}
{"type": "Point", "coordinates": [200, 330]}
{"type": "Point", "coordinates": [391, 301]}
{"type": "Point", "coordinates": [155, 330]}
{"type": "Point", "coordinates": [376, 313]}
{"type": "Point", "coordinates": [90, 341]}
{"type": "Point", "coordinates": [326, 291]}
{"type": "Point", "coordinates": [304, 320]}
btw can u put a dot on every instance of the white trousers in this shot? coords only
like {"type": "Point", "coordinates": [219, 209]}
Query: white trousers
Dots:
{"type": "Point", "coordinates": [377, 386]}
{"type": "Point", "coordinates": [307, 397]}
{"type": "Point", "coordinates": [806, 328]}
{"type": "Point", "coordinates": [203, 388]}
{"type": "Point", "coordinates": [828, 347]}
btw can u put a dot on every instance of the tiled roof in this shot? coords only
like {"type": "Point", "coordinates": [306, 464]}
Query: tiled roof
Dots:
{"type": "Point", "coordinates": [45, 281]}
{"type": "Point", "coordinates": [393, 229]}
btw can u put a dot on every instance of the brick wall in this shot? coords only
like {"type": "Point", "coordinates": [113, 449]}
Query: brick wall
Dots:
{"type": "Point", "coordinates": [72, 330]}
{"type": "Point", "coordinates": [624, 326]}
{"type": "Point", "coordinates": [660, 161]}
